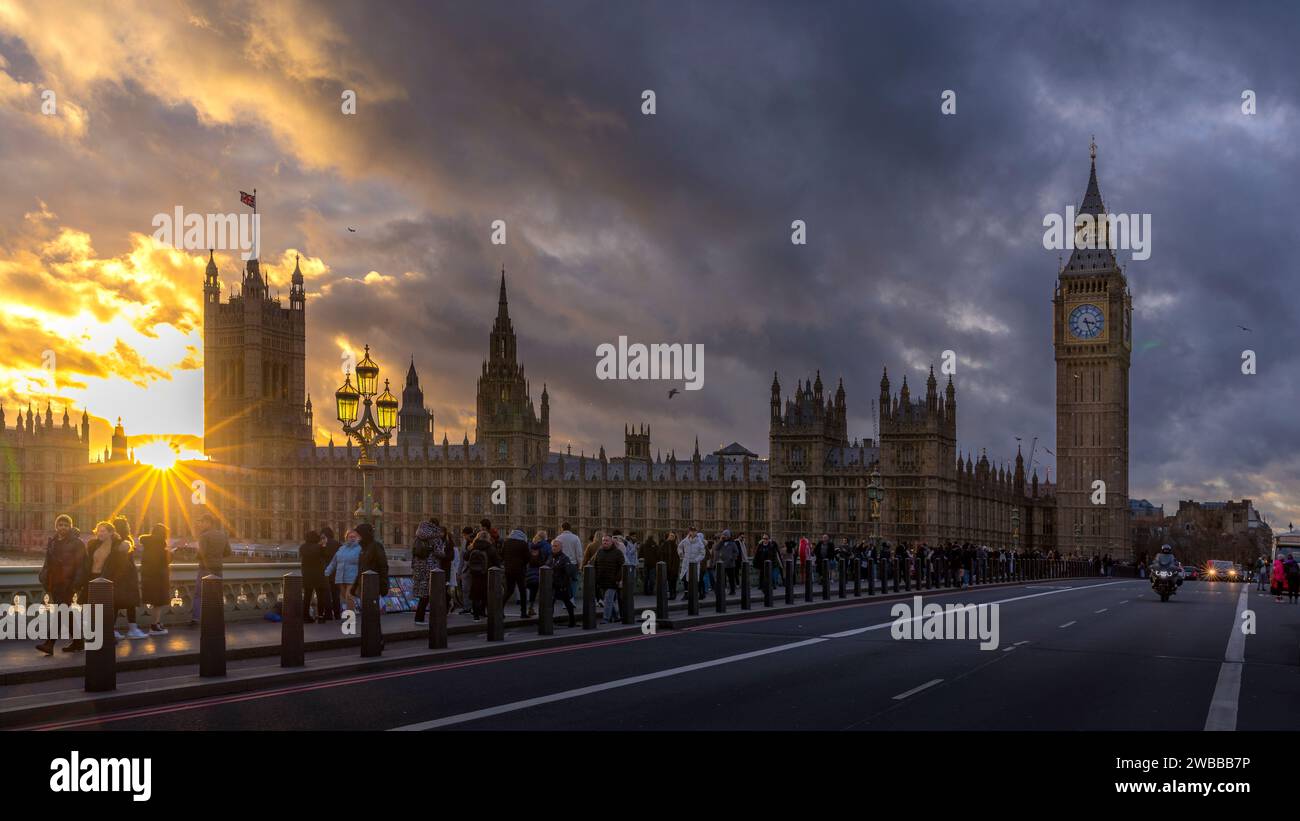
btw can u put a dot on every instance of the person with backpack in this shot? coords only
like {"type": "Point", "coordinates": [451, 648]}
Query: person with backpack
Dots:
{"type": "Point", "coordinates": [538, 554]}
{"type": "Point", "coordinates": [428, 552]}
{"type": "Point", "coordinates": [563, 571]}
{"type": "Point", "coordinates": [482, 556]}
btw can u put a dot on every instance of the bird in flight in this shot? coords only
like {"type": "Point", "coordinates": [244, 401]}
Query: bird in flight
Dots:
{"type": "Point", "coordinates": [353, 230]}
{"type": "Point", "coordinates": [1244, 328]}
{"type": "Point", "coordinates": [673, 393]}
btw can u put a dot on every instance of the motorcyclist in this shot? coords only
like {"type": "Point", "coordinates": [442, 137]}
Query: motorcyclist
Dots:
{"type": "Point", "coordinates": [1165, 560]}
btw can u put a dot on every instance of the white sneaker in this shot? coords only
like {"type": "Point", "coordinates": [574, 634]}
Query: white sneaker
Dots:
{"type": "Point", "coordinates": [117, 634]}
{"type": "Point", "coordinates": [136, 633]}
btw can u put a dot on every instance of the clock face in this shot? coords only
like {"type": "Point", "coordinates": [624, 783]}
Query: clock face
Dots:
{"type": "Point", "coordinates": [1086, 322]}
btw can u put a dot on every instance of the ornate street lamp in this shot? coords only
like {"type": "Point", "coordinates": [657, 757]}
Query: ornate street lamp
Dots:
{"type": "Point", "coordinates": [369, 430]}
{"type": "Point", "coordinates": [876, 495]}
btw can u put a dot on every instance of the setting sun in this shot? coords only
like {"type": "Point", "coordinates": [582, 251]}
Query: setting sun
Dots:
{"type": "Point", "coordinates": [158, 454]}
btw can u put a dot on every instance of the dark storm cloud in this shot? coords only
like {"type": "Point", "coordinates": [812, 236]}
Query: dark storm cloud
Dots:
{"type": "Point", "coordinates": [925, 231]}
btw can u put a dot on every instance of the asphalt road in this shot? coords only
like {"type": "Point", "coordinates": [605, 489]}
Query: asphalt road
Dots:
{"type": "Point", "coordinates": [1102, 654]}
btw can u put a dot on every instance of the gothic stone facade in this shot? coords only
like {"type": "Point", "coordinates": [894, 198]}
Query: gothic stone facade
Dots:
{"type": "Point", "coordinates": [269, 482]}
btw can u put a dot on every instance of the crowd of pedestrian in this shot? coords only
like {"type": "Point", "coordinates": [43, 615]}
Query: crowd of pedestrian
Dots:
{"type": "Point", "coordinates": [138, 565]}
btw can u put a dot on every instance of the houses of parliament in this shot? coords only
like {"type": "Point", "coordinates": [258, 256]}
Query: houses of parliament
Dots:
{"type": "Point", "coordinates": [269, 482]}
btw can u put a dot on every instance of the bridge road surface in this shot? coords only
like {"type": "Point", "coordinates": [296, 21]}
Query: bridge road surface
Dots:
{"type": "Point", "coordinates": [1095, 654]}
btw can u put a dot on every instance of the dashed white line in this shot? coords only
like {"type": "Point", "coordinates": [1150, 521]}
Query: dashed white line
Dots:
{"type": "Point", "coordinates": [1102, 610]}
{"type": "Point", "coordinates": [1063, 626]}
{"type": "Point", "coordinates": [916, 690]}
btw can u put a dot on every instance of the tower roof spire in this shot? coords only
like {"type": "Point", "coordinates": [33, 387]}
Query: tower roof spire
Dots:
{"type": "Point", "coordinates": [1092, 253]}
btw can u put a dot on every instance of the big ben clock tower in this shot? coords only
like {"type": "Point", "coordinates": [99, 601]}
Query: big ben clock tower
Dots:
{"type": "Point", "coordinates": [1092, 312]}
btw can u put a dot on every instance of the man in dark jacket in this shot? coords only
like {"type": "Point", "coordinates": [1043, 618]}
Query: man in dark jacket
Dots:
{"type": "Point", "coordinates": [373, 557]}
{"type": "Point", "coordinates": [727, 551]}
{"type": "Point", "coordinates": [311, 555]}
{"type": "Point", "coordinates": [609, 576]}
{"type": "Point", "coordinates": [515, 556]}
{"type": "Point", "coordinates": [330, 546]}
{"type": "Point", "coordinates": [65, 571]}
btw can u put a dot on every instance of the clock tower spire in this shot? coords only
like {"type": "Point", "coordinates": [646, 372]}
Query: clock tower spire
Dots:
{"type": "Point", "coordinates": [1092, 335]}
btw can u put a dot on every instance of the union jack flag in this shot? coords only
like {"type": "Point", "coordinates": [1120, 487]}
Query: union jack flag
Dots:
{"type": "Point", "coordinates": [248, 199]}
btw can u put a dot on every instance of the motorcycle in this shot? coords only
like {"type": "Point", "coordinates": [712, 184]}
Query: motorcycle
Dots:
{"type": "Point", "coordinates": [1164, 580]}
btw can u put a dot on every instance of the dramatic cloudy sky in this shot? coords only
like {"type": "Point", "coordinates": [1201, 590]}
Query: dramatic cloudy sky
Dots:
{"type": "Point", "coordinates": [924, 230]}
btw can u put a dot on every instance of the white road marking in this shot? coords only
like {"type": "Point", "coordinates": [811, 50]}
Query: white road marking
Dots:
{"type": "Point", "coordinates": [515, 706]}
{"type": "Point", "coordinates": [916, 690]}
{"type": "Point", "coordinates": [1102, 610]}
{"type": "Point", "coordinates": [1124, 602]}
{"type": "Point", "coordinates": [1008, 649]}
{"type": "Point", "coordinates": [1227, 690]}
{"type": "Point", "coordinates": [1017, 644]}
{"type": "Point", "coordinates": [1067, 624]}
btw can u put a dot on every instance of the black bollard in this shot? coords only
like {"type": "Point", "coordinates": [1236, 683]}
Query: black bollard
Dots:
{"type": "Point", "coordinates": [496, 615]}
{"type": "Point", "coordinates": [744, 585]}
{"type": "Point", "coordinates": [212, 628]}
{"type": "Point", "coordinates": [545, 602]}
{"type": "Point", "coordinates": [437, 609]}
{"type": "Point", "coordinates": [789, 581]}
{"type": "Point", "coordinates": [589, 597]}
{"type": "Point", "coordinates": [661, 591]}
{"type": "Point", "coordinates": [628, 595]}
{"type": "Point", "coordinates": [371, 641]}
{"type": "Point", "coordinates": [825, 566]}
{"type": "Point", "coordinates": [906, 567]}
{"type": "Point", "coordinates": [291, 639]}
{"type": "Point", "coordinates": [719, 588]}
{"type": "Point", "coordinates": [693, 589]}
{"type": "Point", "coordinates": [767, 577]}
{"type": "Point", "coordinates": [893, 568]}
{"type": "Point", "coordinates": [807, 581]}
{"type": "Point", "coordinates": [857, 576]}
{"type": "Point", "coordinates": [101, 664]}
{"type": "Point", "coordinates": [844, 578]}
{"type": "Point", "coordinates": [872, 568]}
